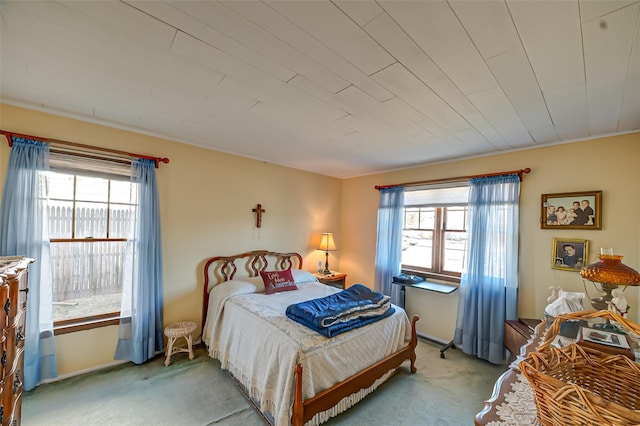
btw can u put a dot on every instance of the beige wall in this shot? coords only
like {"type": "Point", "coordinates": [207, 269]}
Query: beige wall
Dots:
{"type": "Point", "coordinates": [206, 200]}
{"type": "Point", "coordinates": [607, 164]}
{"type": "Point", "coordinates": [207, 197]}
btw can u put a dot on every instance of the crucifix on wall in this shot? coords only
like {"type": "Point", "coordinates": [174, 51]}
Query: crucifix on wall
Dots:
{"type": "Point", "coordinates": [258, 211]}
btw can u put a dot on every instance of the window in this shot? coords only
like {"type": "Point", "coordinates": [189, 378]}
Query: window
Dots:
{"type": "Point", "coordinates": [91, 218]}
{"type": "Point", "coordinates": [434, 235]}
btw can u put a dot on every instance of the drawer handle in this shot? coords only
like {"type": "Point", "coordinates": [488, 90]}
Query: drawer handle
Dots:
{"type": "Point", "coordinates": [4, 359]}
{"type": "Point", "coordinates": [7, 306]}
{"type": "Point", "coordinates": [18, 383]}
{"type": "Point", "coordinates": [26, 290]}
{"type": "Point", "coordinates": [2, 414]}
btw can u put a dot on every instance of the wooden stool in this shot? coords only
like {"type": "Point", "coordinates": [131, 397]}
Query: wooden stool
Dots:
{"type": "Point", "coordinates": [179, 329]}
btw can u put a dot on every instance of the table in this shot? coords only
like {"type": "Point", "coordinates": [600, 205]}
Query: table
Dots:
{"type": "Point", "coordinates": [334, 279]}
{"type": "Point", "coordinates": [430, 286]}
{"type": "Point", "coordinates": [512, 395]}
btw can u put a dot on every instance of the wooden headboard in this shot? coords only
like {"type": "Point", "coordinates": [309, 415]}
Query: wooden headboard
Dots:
{"type": "Point", "coordinates": [224, 268]}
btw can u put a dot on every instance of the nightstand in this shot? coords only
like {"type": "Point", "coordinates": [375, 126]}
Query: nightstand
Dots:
{"type": "Point", "coordinates": [334, 279]}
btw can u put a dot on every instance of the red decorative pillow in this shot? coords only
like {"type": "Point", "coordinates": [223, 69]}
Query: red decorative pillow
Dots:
{"type": "Point", "coordinates": [276, 281]}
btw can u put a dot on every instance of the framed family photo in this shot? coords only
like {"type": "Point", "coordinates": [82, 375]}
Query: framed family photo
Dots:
{"type": "Point", "coordinates": [569, 254]}
{"type": "Point", "coordinates": [572, 210]}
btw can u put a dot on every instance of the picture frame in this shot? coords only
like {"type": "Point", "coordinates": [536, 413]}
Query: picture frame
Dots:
{"type": "Point", "coordinates": [569, 254]}
{"type": "Point", "coordinates": [560, 211]}
{"type": "Point", "coordinates": [603, 337]}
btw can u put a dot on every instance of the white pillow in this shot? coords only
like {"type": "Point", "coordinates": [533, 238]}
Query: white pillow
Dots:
{"type": "Point", "coordinates": [256, 281]}
{"type": "Point", "coordinates": [300, 276]}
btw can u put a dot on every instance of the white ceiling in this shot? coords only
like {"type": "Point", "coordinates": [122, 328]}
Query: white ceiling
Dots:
{"type": "Point", "coordinates": [342, 88]}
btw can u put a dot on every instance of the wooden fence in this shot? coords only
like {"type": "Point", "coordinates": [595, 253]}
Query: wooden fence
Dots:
{"type": "Point", "coordinates": [84, 269]}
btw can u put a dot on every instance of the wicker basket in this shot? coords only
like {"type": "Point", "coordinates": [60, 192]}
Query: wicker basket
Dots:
{"type": "Point", "coordinates": [553, 331]}
{"type": "Point", "coordinates": [575, 385]}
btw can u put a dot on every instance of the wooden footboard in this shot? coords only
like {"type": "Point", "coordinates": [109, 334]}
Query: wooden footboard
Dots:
{"type": "Point", "coordinates": [303, 411]}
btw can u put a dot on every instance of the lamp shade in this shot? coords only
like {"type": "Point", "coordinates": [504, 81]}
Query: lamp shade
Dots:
{"type": "Point", "coordinates": [327, 243]}
{"type": "Point", "coordinates": [610, 270]}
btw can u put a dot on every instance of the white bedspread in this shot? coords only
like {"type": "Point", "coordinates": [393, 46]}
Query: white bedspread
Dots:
{"type": "Point", "coordinates": [253, 339]}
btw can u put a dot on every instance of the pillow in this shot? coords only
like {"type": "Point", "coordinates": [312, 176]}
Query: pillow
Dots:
{"type": "Point", "coordinates": [301, 276]}
{"type": "Point", "coordinates": [276, 281]}
{"type": "Point", "coordinates": [256, 281]}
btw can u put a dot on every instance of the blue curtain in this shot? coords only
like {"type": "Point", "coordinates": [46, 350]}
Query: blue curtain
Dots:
{"type": "Point", "coordinates": [24, 232]}
{"type": "Point", "coordinates": [141, 330]}
{"type": "Point", "coordinates": [389, 243]}
{"type": "Point", "coordinates": [489, 284]}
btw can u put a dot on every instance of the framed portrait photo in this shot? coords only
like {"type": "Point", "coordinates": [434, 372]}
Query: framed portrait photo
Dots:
{"type": "Point", "coordinates": [571, 210]}
{"type": "Point", "coordinates": [569, 254]}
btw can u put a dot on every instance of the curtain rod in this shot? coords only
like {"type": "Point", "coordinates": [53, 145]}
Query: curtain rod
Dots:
{"type": "Point", "coordinates": [9, 135]}
{"type": "Point", "coordinates": [456, 179]}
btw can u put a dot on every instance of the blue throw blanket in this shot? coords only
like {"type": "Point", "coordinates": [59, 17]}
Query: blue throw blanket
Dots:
{"type": "Point", "coordinates": [340, 312]}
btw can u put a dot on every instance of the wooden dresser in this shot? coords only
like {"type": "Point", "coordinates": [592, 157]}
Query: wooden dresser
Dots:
{"type": "Point", "coordinates": [13, 300]}
{"type": "Point", "coordinates": [517, 333]}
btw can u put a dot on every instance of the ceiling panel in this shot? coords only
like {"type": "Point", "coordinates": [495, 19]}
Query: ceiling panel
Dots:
{"type": "Point", "coordinates": [400, 81]}
{"type": "Point", "coordinates": [339, 87]}
{"type": "Point", "coordinates": [442, 141]}
{"type": "Point", "coordinates": [607, 50]}
{"type": "Point", "coordinates": [488, 24]}
{"type": "Point", "coordinates": [630, 109]}
{"type": "Point", "coordinates": [594, 9]}
{"type": "Point", "coordinates": [359, 104]}
{"type": "Point", "coordinates": [297, 124]}
{"type": "Point", "coordinates": [328, 24]}
{"type": "Point", "coordinates": [362, 12]}
{"type": "Point", "coordinates": [434, 26]}
{"type": "Point", "coordinates": [514, 73]}
{"type": "Point", "coordinates": [193, 18]}
{"type": "Point", "coordinates": [119, 17]}
{"type": "Point", "coordinates": [411, 56]}
{"type": "Point", "coordinates": [252, 79]}
{"type": "Point", "coordinates": [286, 30]}
{"type": "Point", "coordinates": [376, 112]}
{"type": "Point", "coordinates": [568, 109]}
{"type": "Point", "coordinates": [503, 116]}
{"type": "Point", "coordinates": [551, 37]}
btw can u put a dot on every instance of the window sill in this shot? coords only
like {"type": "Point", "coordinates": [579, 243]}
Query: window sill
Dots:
{"type": "Point", "coordinates": [83, 324]}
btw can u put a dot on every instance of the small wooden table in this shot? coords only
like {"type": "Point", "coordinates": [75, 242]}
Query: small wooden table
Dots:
{"type": "Point", "coordinates": [505, 382]}
{"type": "Point", "coordinates": [334, 279]}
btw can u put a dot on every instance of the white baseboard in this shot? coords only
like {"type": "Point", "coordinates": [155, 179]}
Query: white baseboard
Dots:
{"type": "Point", "coordinates": [89, 370]}
{"type": "Point", "coordinates": [81, 372]}
{"type": "Point", "coordinates": [432, 338]}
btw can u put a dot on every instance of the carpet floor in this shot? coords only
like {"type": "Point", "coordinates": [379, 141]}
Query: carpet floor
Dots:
{"type": "Point", "coordinates": [446, 391]}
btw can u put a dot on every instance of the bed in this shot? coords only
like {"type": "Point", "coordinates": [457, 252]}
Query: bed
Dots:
{"type": "Point", "coordinates": [291, 373]}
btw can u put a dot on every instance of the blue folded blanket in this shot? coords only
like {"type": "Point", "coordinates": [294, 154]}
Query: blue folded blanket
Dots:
{"type": "Point", "coordinates": [340, 312]}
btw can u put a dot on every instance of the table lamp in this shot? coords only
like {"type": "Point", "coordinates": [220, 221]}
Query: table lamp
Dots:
{"type": "Point", "coordinates": [606, 275]}
{"type": "Point", "coordinates": [327, 244]}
